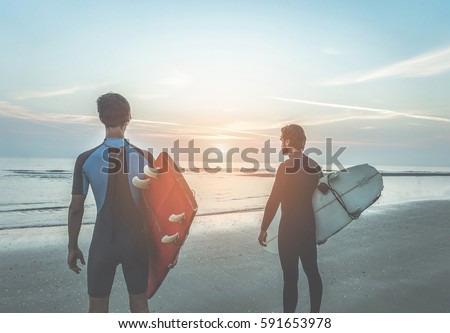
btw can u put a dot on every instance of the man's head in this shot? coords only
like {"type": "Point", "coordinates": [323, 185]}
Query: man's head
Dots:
{"type": "Point", "coordinates": [113, 110]}
{"type": "Point", "coordinates": [293, 136]}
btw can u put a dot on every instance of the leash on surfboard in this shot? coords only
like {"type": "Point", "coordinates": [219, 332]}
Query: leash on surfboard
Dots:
{"type": "Point", "coordinates": [339, 199]}
{"type": "Point", "coordinates": [353, 215]}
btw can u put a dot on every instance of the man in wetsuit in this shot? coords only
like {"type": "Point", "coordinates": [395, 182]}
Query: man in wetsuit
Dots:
{"type": "Point", "coordinates": [119, 235]}
{"type": "Point", "coordinates": [295, 182]}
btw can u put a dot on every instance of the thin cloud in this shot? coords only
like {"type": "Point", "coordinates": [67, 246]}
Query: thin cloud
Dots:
{"type": "Point", "coordinates": [257, 125]}
{"type": "Point", "coordinates": [383, 113]}
{"type": "Point", "coordinates": [170, 129]}
{"type": "Point", "coordinates": [220, 137]}
{"type": "Point", "coordinates": [12, 111]}
{"type": "Point", "coordinates": [8, 110]}
{"type": "Point", "coordinates": [428, 64]}
{"type": "Point", "coordinates": [152, 122]}
{"type": "Point", "coordinates": [60, 92]}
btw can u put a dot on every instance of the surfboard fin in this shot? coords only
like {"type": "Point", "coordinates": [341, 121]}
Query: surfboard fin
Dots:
{"type": "Point", "coordinates": [173, 263]}
{"type": "Point", "coordinates": [169, 239]}
{"type": "Point", "coordinates": [151, 172]}
{"type": "Point", "coordinates": [143, 184]}
{"type": "Point", "coordinates": [177, 218]}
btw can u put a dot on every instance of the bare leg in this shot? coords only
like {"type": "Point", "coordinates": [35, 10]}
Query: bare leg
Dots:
{"type": "Point", "coordinates": [99, 305]}
{"type": "Point", "coordinates": [138, 303]}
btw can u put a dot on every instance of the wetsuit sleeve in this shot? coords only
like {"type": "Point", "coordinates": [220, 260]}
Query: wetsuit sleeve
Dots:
{"type": "Point", "coordinates": [274, 199]}
{"type": "Point", "coordinates": [310, 184]}
{"type": "Point", "coordinates": [318, 172]}
{"type": "Point", "coordinates": [80, 183]}
{"type": "Point", "coordinates": [313, 169]}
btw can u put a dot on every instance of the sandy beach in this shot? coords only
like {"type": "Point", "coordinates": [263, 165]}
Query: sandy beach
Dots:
{"type": "Point", "coordinates": [395, 258]}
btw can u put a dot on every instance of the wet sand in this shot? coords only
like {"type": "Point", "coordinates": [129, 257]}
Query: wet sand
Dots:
{"type": "Point", "coordinates": [393, 259]}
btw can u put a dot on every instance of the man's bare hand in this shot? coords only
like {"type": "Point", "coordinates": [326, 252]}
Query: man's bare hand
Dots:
{"type": "Point", "coordinates": [262, 239]}
{"type": "Point", "coordinates": [72, 258]}
{"type": "Point", "coordinates": [322, 242]}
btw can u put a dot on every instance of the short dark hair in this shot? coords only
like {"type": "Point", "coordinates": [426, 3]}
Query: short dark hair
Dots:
{"type": "Point", "coordinates": [113, 110]}
{"type": "Point", "coordinates": [295, 134]}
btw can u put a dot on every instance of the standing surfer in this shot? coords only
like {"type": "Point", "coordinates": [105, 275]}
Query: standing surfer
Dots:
{"type": "Point", "coordinates": [295, 182]}
{"type": "Point", "coordinates": [119, 236]}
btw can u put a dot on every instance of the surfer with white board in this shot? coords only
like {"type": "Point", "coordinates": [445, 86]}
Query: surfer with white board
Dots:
{"type": "Point", "coordinates": [295, 182]}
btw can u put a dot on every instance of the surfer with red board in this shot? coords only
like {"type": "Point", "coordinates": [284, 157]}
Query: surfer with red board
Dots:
{"type": "Point", "coordinates": [144, 211]}
{"type": "Point", "coordinates": [119, 235]}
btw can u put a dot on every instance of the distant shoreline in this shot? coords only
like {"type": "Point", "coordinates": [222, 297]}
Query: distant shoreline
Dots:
{"type": "Point", "coordinates": [48, 173]}
{"type": "Point", "coordinates": [415, 174]}
{"type": "Point", "coordinates": [384, 174]}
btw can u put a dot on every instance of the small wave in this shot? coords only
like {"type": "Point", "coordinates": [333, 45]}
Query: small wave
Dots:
{"type": "Point", "coordinates": [222, 212]}
{"type": "Point", "coordinates": [39, 226]}
{"type": "Point", "coordinates": [33, 171]}
{"type": "Point", "coordinates": [26, 204]}
{"type": "Point", "coordinates": [42, 174]}
{"type": "Point", "coordinates": [249, 197]}
{"type": "Point", "coordinates": [49, 172]}
{"type": "Point", "coordinates": [33, 209]}
{"type": "Point", "coordinates": [262, 175]}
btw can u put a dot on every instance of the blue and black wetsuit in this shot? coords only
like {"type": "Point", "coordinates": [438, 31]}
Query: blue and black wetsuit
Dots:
{"type": "Point", "coordinates": [119, 233]}
{"type": "Point", "coordinates": [295, 183]}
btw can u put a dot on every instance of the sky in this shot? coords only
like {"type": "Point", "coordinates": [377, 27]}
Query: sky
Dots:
{"type": "Point", "coordinates": [372, 76]}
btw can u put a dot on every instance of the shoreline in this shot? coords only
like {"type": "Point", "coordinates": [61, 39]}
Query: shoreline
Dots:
{"type": "Point", "coordinates": [235, 211]}
{"type": "Point", "coordinates": [383, 173]}
{"type": "Point", "coordinates": [391, 260]}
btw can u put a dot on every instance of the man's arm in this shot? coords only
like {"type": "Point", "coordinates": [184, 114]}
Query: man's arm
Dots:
{"type": "Point", "coordinates": [76, 210]}
{"type": "Point", "coordinates": [272, 205]}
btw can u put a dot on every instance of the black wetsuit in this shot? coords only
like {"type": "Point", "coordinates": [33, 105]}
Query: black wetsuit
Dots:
{"type": "Point", "coordinates": [295, 182]}
{"type": "Point", "coordinates": [119, 236]}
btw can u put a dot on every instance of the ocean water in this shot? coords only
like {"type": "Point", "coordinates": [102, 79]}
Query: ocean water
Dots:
{"type": "Point", "coordinates": [36, 192]}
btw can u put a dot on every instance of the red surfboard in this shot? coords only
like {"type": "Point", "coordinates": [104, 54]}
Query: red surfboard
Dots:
{"type": "Point", "coordinates": [171, 208]}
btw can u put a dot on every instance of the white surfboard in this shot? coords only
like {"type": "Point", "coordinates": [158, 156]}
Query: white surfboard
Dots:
{"type": "Point", "coordinates": [349, 193]}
